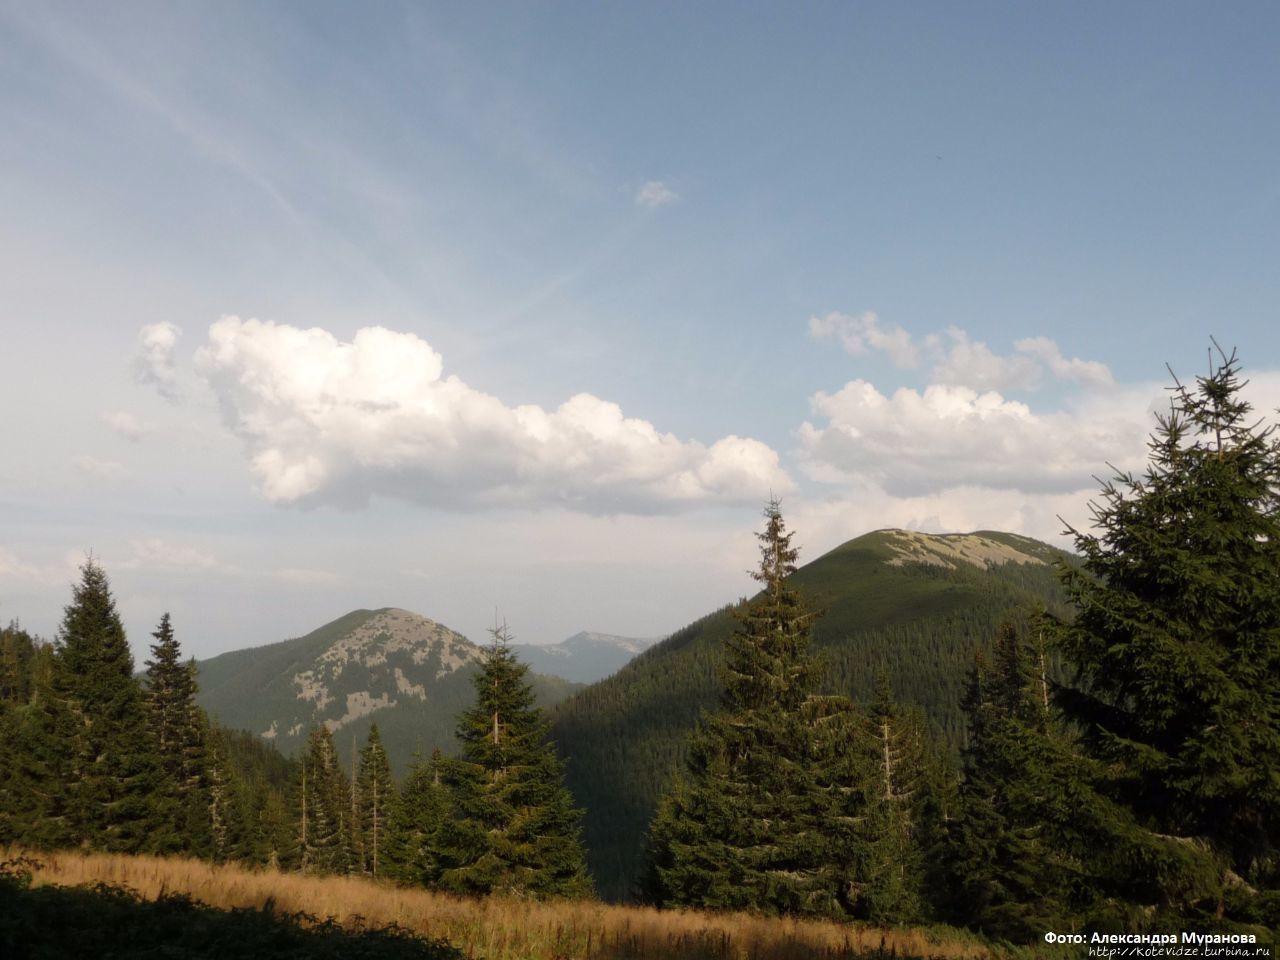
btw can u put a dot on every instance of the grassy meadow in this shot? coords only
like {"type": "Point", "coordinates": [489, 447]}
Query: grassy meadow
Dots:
{"type": "Point", "coordinates": [494, 928]}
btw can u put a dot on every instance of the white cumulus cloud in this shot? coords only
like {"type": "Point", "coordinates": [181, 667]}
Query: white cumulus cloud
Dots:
{"type": "Point", "coordinates": [916, 442]}
{"type": "Point", "coordinates": [655, 193]}
{"type": "Point", "coordinates": [153, 363]}
{"type": "Point", "coordinates": [328, 422]}
{"type": "Point", "coordinates": [965, 362]}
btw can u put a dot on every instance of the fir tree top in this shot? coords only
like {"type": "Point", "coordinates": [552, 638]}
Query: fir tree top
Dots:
{"type": "Point", "coordinates": [768, 662]}
{"type": "Point", "coordinates": [504, 717]}
{"type": "Point", "coordinates": [92, 640]}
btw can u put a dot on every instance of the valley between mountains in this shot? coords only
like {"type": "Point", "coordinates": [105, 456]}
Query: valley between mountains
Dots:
{"type": "Point", "coordinates": [918, 606]}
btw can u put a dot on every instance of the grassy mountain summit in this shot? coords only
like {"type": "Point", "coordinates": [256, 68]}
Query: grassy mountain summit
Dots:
{"type": "Point", "coordinates": [408, 673]}
{"type": "Point", "coordinates": [917, 604]}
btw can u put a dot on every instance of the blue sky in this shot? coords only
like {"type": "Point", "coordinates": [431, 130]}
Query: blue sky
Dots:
{"type": "Point", "coordinates": [454, 307]}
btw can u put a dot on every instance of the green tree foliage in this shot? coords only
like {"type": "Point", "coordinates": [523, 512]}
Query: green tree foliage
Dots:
{"type": "Point", "coordinates": [416, 821]}
{"type": "Point", "coordinates": [324, 810]}
{"type": "Point", "coordinates": [377, 798]}
{"type": "Point", "coordinates": [250, 791]}
{"type": "Point", "coordinates": [758, 821]}
{"type": "Point", "coordinates": [28, 799]}
{"type": "Point", "coordinates": [172, 781]}
{"type": "Point", "coordinates": [265, 786]}
{"type": "Point", "coordinates": [516, 831]}
{"type": "Point", "coordinates": [891, 880]}
{"type": "Point", "coordinates": [1009, 878]}
{"type": "Point", "coordinates": [17, 652]}
{"type": "Point", "coordinates": [179, 728]}
{"type": "Point", "coordinates": [89, 769]}
{"type": "Point", "coordinates": [225, 824]}
{"type": "Point", "coordinates": [1175, 650]}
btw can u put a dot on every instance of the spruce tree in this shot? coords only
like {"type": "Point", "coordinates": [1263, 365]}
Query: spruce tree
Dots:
{"type": "Point", "coordinates": [1007, 881]}
{"type": "Point", "coordinates": [324, 812]}
{"type": "Point", "coordinates": [416, 821]}
{"type": "Point", "coordinates": [376, 792]}
{"type": "Point", "coordinates": [220, 793]}
{"type": "Point", "coordinates": [765, 815]}
{"type": "Point", "coordinates": [103, 782]}
{"type": "Point", "coordinates": [17, 651]}
{"type": "Point", "coordinates": [1175, 651]}
{"type": "Point", "coordinates": [892, 877]}
{"type": "Point", "coordinates": [18, 813]}
{"type": "Point", "coordinates": [179, 728]}
{"type": "Point", "coordinates": [516, 832]}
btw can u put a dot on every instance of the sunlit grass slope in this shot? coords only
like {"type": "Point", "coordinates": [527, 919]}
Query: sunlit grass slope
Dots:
{"type": "Point", "coordinates": [494, 928]}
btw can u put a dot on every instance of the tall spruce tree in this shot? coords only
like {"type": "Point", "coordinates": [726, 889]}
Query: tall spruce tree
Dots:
{"type": "Point", "coordinates": [892, 879]}
{"type": "Point", "coordinates": [1175, 649]}
{"type": "Point", "coordinates": [180, 729]}
{"type": "Point", "coordinates": [103, 784]}
{"type": "Point", "coordinates": [516, 831]}
{"type": "Point", "coordinates": [765, 816]}
{"type": "Point", "coordinates": [221, 795]}
{"type": "Point", "coordinates": [416, 821]}
{"type": "Point", "coordinates": [377, 798]}
{"type": "Point", "coordinates": [1011, 867]}
{"type": "Point", "coordinates": [324, 807]}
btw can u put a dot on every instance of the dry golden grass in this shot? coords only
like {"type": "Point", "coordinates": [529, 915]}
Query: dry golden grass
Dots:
{"type": "Point", "coordinates": [495, 928]}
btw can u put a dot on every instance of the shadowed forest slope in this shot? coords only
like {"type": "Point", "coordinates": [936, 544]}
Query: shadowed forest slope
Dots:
{"type": "Point", "coordinates": [917, 605]}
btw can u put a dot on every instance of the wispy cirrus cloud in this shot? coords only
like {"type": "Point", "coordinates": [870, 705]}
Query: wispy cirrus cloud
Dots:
{"type": "Point", "coordinates": [956, 358]}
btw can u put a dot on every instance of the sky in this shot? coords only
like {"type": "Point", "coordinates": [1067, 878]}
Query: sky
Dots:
{"type": "Point", "coordinates": [525, 309]}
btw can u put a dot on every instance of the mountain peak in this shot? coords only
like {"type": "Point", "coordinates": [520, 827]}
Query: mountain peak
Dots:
{"type": "Point", "coordinates": [391, 630]}
{"type": "Point", "coordinates": [387, 642]}
{"type": "Point", "coordinates": [408, 672]}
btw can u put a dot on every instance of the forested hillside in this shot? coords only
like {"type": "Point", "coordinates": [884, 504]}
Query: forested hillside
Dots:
{"type": "Point", "coordinates": [95, 755]}
{"type": "Point", "coordinates": [918, 606]}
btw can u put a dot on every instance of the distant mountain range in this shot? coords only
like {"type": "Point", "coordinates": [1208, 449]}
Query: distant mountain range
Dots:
{"type": "Point", "coordinates": [585, 657]}
{"type": "Point", "coordinates": [408, 673]}
{"type": "Point", "coordinates": [916, 605]}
